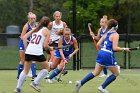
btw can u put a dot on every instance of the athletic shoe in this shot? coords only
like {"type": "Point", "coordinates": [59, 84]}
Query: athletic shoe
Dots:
{"type": "Point", "coordinates": [35, 86]}
{"type": "Point", "coordinates": [64, 72]}
{"type": "Point", "coordinates": [103, 75]}
{"type": "Point", "coordinates": [78, 86]}
{"type": "Point", "coordinates": [118, 68]}
{"type": "Point", "coordinates": [17, 90]}
{"type": "Point", "coordinates": [49, 81]}
{"type": "Point", "coordinates": [102, 90]}
{"type": "Point", "coordinates": [33, 78]}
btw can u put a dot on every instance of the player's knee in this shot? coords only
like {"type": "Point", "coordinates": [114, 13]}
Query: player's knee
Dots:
{"type": "Point", "coordinates": [95, 73]}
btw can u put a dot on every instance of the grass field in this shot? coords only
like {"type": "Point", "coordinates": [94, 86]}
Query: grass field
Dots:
{"type": "Point", "coordinates": [127, 82]}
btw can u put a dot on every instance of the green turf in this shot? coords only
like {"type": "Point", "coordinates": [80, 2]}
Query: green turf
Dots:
{"type": "Point", "coordinates": [9, 56]}
{"type": "Point", "coordinates": [127, 82]}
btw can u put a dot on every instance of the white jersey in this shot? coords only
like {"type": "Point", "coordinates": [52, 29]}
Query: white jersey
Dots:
{"type": "Point", "coordinates": [35, 46]}
{"type": "Point", "coordinates": [54, 30]}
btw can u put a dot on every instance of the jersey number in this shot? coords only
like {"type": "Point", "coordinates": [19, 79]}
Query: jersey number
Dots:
{"type": "Point", "coordinates": [105, 43]}
{"type": "Point", "coordinates": [36, 39]}
{"type": "Point", "coordinates": [66, 49]}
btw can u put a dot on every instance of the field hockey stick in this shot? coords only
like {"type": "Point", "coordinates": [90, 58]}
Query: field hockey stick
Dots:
{"type": "Point", "coordinates": [63, 72]}
{"type": "Point", "coordinates": [94, 41]}
{"type": "Point", "coordinates": [61, 47]}
{"type": "Point", "coordinates": [135, 48]}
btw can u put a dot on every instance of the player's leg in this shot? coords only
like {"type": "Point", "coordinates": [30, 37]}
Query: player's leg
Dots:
{"type": "Point", "coordinates": [23, 75]}
{"type": "Point", "coordinates": [96, 72]}
{"type": "Point", "coordinates": [22, 57]}
{"type": "Point", "coordinates": [21, 64]}
{"type": "Point", "coordinates": [41, 75]}
{"type": "Point", "coordinates": [110, 79]}
{"type": "Point", "coordinates": [56, 71]}
{"type": "Point", "coordinates": [105, 73]}
{"type": "Point", "coordinates": [33, 69]}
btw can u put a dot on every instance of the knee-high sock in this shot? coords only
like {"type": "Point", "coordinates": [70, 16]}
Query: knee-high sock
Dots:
{"type": "Point", "coordinates": [110, 79]}
{"type": "Point", "coordinates": [105, 70]}
{"type": "Point", "coordinates": [20, 68]}
{"type": "Point", "coordinates": [87, 78]}
{"type": "Point", "coordinates": [33, 68]}
{"type": "Point", "coordinates": [40, 76]}
{"type": "Point", "coordinates": [54, 73]}
{"type": "Point", "coordinates": [21, 80]}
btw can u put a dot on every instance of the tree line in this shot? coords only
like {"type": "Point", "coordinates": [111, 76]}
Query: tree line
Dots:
{"type": "Point", "coordinates": [14, 12]}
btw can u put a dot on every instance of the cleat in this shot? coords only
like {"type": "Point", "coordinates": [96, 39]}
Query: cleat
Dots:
{"type": "Point", "coordinates": [17, 90]}
{"type": "Point", "coordinates": [102, 90]}
{"type": "Point", "coordinates": [49, 81]}
{"type": "Point", "coordinates": [64, 72]}
{"type": "Point", "coordinates": [78, 86]}
{"type": "Point", "coordinates": [35, 86]}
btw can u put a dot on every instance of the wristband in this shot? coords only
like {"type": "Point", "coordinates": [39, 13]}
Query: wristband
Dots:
{"type": "Point", "coordinates": [124, 49]}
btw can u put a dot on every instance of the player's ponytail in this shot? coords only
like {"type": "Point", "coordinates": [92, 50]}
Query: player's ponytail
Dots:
{"type": "Point", "coordinates": [60, 33]}
{"type": "Point", "coordinates": [43, 23]}
{"type": "Point", "coordinates": [112, 24]}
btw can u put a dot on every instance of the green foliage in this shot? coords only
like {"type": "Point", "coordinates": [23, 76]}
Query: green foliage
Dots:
{"type": "Point", "coordinates": [13, 12]}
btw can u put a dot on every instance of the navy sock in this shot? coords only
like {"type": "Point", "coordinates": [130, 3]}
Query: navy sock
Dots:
{"type": "Point", "coordinates": [108, 81]}
{"type": "Point", "coordinates": [87, 78]}
{"type": "Point", "coordinates": [105, 71]}
{"type": "Point", "coordinates": [20, 68]}
{"type": "Point", "coordinates": [33, 68]}
{"type": "Point", "coordinates": [54, 73]}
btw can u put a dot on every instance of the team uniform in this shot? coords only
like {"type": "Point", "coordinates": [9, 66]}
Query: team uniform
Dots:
{"type": "Point", "coordinates": [34, 51]}
{"type": "Point", "coordinates": [56, 28]}
{"type": "Point", "coordinates": [21, 44]}
{"type": "Point", "coordinates": [102, 32]}
{"type": "Point", "coordinates": [66, 51]}
{"type": "Point", "coordinates": [21, 48]}
{"type": "Point", "coordinates": [106, 56]}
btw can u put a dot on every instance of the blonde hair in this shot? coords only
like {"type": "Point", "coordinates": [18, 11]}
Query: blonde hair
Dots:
{"type": "Point", "coordinates": [104, 16]}
{"type": "Point", "coordinates": [31, 14]}
{"type": "Point", "coordinates": [57, 12]}
{"type": "Point", "coordinates": [61, 31]}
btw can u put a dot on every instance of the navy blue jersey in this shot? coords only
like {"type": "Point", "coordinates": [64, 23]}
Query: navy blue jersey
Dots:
{"type": "Point", "coordinates": [66, 51]}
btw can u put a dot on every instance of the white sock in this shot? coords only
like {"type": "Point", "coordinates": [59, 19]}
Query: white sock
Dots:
{"type": "Point", "coordinates": [29, 73]}
{"type": "Point", "coordinates": [21, 80]}
{"type": "Point", "coordinates": [40, 75]}
{"type": "Point", "coordinates": [50, 64]}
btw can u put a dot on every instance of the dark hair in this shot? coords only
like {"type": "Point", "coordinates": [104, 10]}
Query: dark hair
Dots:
{"type": "Point", "coordinates": [60, 32]}
{"type": "Point", "coordinates": [111, 23]}
{"type": "Point", "coordinates": [43, 22]}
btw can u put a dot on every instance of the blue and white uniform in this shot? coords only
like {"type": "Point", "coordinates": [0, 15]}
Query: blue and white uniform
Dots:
{"type": "Point", "coordinates": [105, 56]}
{"type": "Point", "coordinates": [102, 32]}
{"type": "Point", "coordinates": [66, 51]}
{"type": "Point", "coordinates": [21, 44]}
